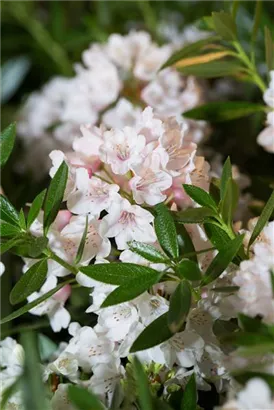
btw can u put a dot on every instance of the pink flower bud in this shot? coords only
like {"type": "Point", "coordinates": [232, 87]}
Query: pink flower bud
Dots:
{"type": "Point", "coordinates": [63, 294]}
{"type": "Point", "coordinates": [62, 219]}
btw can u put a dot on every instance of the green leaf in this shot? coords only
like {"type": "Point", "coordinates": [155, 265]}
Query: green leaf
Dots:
{"type": "Point", "coordinates": [194, 215]}
{"type": "Point", "coordinates": [225, 25]}
{"type": "Point", "coordinates": [269, 49]}
{"type": "Point", "coordinates": [190, 395]}
{"type": "Point", "coordinates": [148, 252]}
{"type": "Point", "coordinates": [247, 339]}
{"type": "Point", "coordinates": [82, 243]}
{"type": "Point", "coordinates": [35, 207]}
{"type": "Point", "coordinates": [213, 69]}
{"type": "Point", "coordinates": [200, 196]}
{"type": "Point", "coordinates": [180, 303]}
{"type": "Point", "coordinates": [5, 246]}
{"type": "Point", "coordinates": [223, 111]}
{"type": "Point", "coordinates": [263, 219]}
{"type": "Point", "coordinates": [222, 260]}
{"type": "Point", "coordinates": [226, 289]}
{"type": "Point", "coordinates": [257, 18]}
{"type": "Point", "coordinates": [185, 242]}
{"type": "Point", "coordinates": [189, 270]}
{"type": "Point", "coordinates": [55, 194]}
{"type": "Point", "coordinates": [7, 140]}
{"type": "Point", "coordinates": [83, 399]}
{"type": "Point", "coordinates": [118, 273]}
{"type": "Point", "coordinates": [189, 50]}
{"type": "Point", "coordinates": [30, 282]}
{"type": "Point", "coordinates": [222, 328]}
{"type": "Point", "coordinates": [22, 221]}
{"type": "Point", "coordinates": [214, 189]}
{"type": "Point", "coordinates": [154, 334]}
{"type": "Point", "coordinates": [29, 306]}
{"type": "Point", "coordinates": [132, 288]}
{"type": "Point", "coordinates": [143, 393]}
{"type": "Point", "coordinates": [255, 325]}
{"type": "Point", "coordinates": [226, 176]}
{"type": "Point", "coordinates": [6, 229]}
{"type": "Point", "coordinates": [34, 393]}
{"type": "Point", "coordinates": [230, 201]}
{"type": "Point", "coordinates": [7, 211]}
{"type": "Point", "coordinates": [166, 231]}
{"type": "Point", "coordinates": [36, 245]}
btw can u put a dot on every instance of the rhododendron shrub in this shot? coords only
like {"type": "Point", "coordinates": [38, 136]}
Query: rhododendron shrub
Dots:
{"type": "Point", "coordinates": [179, 290]}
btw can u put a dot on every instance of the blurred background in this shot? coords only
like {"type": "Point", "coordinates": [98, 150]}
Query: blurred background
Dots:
{"type": "Point", "coordinates": [42, 39]}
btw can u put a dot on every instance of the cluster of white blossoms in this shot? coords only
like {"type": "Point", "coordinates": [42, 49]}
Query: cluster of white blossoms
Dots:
{"type": "Point", "coordinates": [112, 85]}
{"type": "Point", "coordinates": [266, 137]}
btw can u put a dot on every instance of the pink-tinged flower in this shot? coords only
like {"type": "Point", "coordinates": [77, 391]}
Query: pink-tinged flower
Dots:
{"type": "Point", "coordinates": [149, 125]}
{"type": "Point", "coordinates": [266, 137]}
{"type": "Point", "coordinates": [150, 181]}
{"type": "Point", "coordinates": [92, 195]}
{"type": "Point", "coordinates": [123, 114]}
{"type": "Point", "coordinates": [126, 222]}
{"type": "Point", "coordinates": [88, 145]}
{"type": "Point", "coordinates": [62, 219]}
{"type": "Point", "coordinates": [180, 154]}
{"type": "Point", "coordinates": [122, 149]}
{"type": "Point", "coordinates": [57, 158]}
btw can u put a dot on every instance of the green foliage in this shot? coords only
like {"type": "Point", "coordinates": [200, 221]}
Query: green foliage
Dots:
{"type": "Point", "coordinates": [185, 243]}
{"type": "Point", "coordinates": [213, 69]}
{"type": "Point", "coordinates": [225, 25]}
{"type": "Point", "coordinates": [7, 140]}
{"type": "Point", "coordinates": [189, 270]}
{"type": "Point", "coordinates": [148, 252]}
{"type": "Point", "coordinates": [269, 49]}
{"type": "Point", "coordinates": [83, 399]}
{"type": "Point", "coordinates": [166, 231]}
{"type": "Point", "coordinates": [200, 196]}
{"type": "Point", "coordinates": [35, 207]}
{"type": "Point", "coordinates": [180, 303]}
{"type": "Point", "coordinates": [194, 215]}
{"type": "Point", "coordinates": [82, 243]}
{"type": "Point", "coordinates": [143, 392]}
{"type": "Point", "coordinates": [190, 395]}
{"type": "Point", "coordinates": [7, 212]}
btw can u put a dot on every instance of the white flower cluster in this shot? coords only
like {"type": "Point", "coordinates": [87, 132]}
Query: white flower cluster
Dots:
{"type": "Point", "coordinates": [266, 137]}
{"type": "Point", "coordinates": [111, 86]}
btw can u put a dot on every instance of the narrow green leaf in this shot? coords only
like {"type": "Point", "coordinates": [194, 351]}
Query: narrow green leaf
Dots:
{"type": "Point", "coordinates": [6, 229]}
{"type": "Point", "coordinates": [36, 245]}
{"type": "Point", "coordinates": [117, 273]}
{"type": "Point", "coordinates": [222, 260]}
{"type": "Point", "coordinates": [269, 49]}
{"type": "Point", "coordinates": [5, 246]}
{"type": "Point", "coordinates": [235, 7]}
{"type": "Point", "coordinates": [180, 303]}
{"type": "Point", "coordinates": [84, 399]}
{"type": "Point", "coordinates": [200, 196]}
{"type": "Point", "coordinates": [29, 306]}
{"type": "Point", "coordinates": [226, 289]}
{"type": "Point", "coordinates": [131, 289]}
{"type": "Point", "coordinates": [35, 207]}
{"type": "Point", "coordinates": [190, 395]}
{"type": "Point", "coordinates": [214, 189]}
{"type": "Point", "coordinates": [30, 282]}
{"type": "Point", "coordinates": [263, 219]}
{"type": "Point", "coordinates": [148, 252]}
{"type": "Point", "coordinates": [223, 111]}
{"type": "Point", "coordinates": [230, 201]}
{"type": "Point", "coordinates": [55, 194]}
{"type": "Point", "coordinates": [166, 231]}
{"type": "Point", "coordinates": [7, 140]}
{"type": "Point", "coordinates": [257, 19]}
{"type": "Point", "coordinates": [255, 325]}
{"type": "Point", "coordinates": [194, 215]}
{"type": "Point", "coordinates": [213, 69]}
{"type": "Point", "coordinates": [7, 211]}
{"type": "Point", "coordinates": [225, 25]}
{"type": "Point", "coordinates": [154, 334]}
{"type": "Point", "coordinates": [82, 243]}
{"type": "Point", "coordinates": [22, 221]}
{"type": "Point", "coordinates": [247, 339]}
{"type": "Point", "coordinates": [34, 393]}
{"type": "Point", "coordinates": [185, 242]}
{"type": "Point", "coordinates": [143, 393]}
{"type": "Point", "coordinates": [189, 270]}
{"type": "Point", "coordinates": [189, 50]}
{"type": "Point", "coordinates": [226, 175]}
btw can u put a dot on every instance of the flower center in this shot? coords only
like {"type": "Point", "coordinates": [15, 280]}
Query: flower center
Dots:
{"type": "Point", "coordinates": [127, 218]}
{"type": "Point", "coordinates": [122, 152]}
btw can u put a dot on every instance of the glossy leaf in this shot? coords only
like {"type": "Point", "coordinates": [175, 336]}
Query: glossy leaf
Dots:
{"type": "Point", "coordinates": [213, 69]}
{"type": "Point", "coordinates": [7, 211]}
{"type": "Point", "coordinates": [6, 229]}
{"type": "Point", "coordinates": [180, 303]}
{"type": "Point", "coordinates": [35, 207]}
{"type": "Point", "coordinates": [84, 399]}
{"type": "Point", "coordinates": [194, 215]}
{"type": "Point", "coordinates": [166, 231]}
{"type": "Point", "coordinates": [55, 194]}
{"type": "Point", "coordinates": [222, 260]}
{"type": "Point", "coordinates": [148, 252]}
{"type": "Point", "coordinates": [7, 140]}
{"type": "Point", "coordinates": [22, 221]}
{"type": "Point", "coordinates": [263, 219]}
{"type": "Point", "coordinates": [154, 334]}
{"type": "Point", "coordinates": [189, 50]}
{"type": "Point", "coordinates": [82, 244]}
{"type": "Point", "coordinates": [29, 282]}
{"type": "Point", "coordinates": [7, 245]}
{"type": "Point", "coordinates": [132, 288]}
{"type": "Point", "coordinates": [225, 25]}
{"type": "Point", "coordinates": [185, 242]}
{"type": "Point", "coordinates": [230, 201]}
{"type": "Point", "coordinates": [189, 270]}
{"type": "Point", "coordinates": [200, 196]}
{"type": "Point", "coordinates": [118, 273]}
{"type": "Point", "coordinates": [190, 395]}
{"type": "Point", "coordinates": [30, 246]}
{"type": "Point", "coordinates": [143, 393]}
{"type": "Point", "coordinates": [223, 111]}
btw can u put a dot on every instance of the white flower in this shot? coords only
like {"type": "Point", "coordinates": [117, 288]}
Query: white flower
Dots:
{"type": "Point", "coordinates": [126, 222]}
{"type": "Point", "coordinates": [11, 361]}
{"type": "Point", "coordinates": [122, 149]}
{"type": "Point", "coordinates": [269, 93]}
{"type": "Point", "coordinates": [2, 268]}
{"type": "Point", "coordinates": [57, 158]}
{"type": "Point", "coordinates": [150, 181]}
{"type": "Point", "coordinates": [149, 125]}
{"type": "Point", "coordinates": [66, 365]}
{"type": "Point", "coordinates": [151, 307]}
{"type": "Point", "coordinates": [59, 317]}
{"type": "Point", "coordinates": [123, 114]}
{"type": "Point", "coordinates": [89, 143]}
{"type": "Point", "coordinates": [92, 195]}
{"type": "Point", "coordinates": [150, 60]}
{"type": "Point", "coordinates": [60, 400]}
{"type": "Point", "coordinates": [266, 137]}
